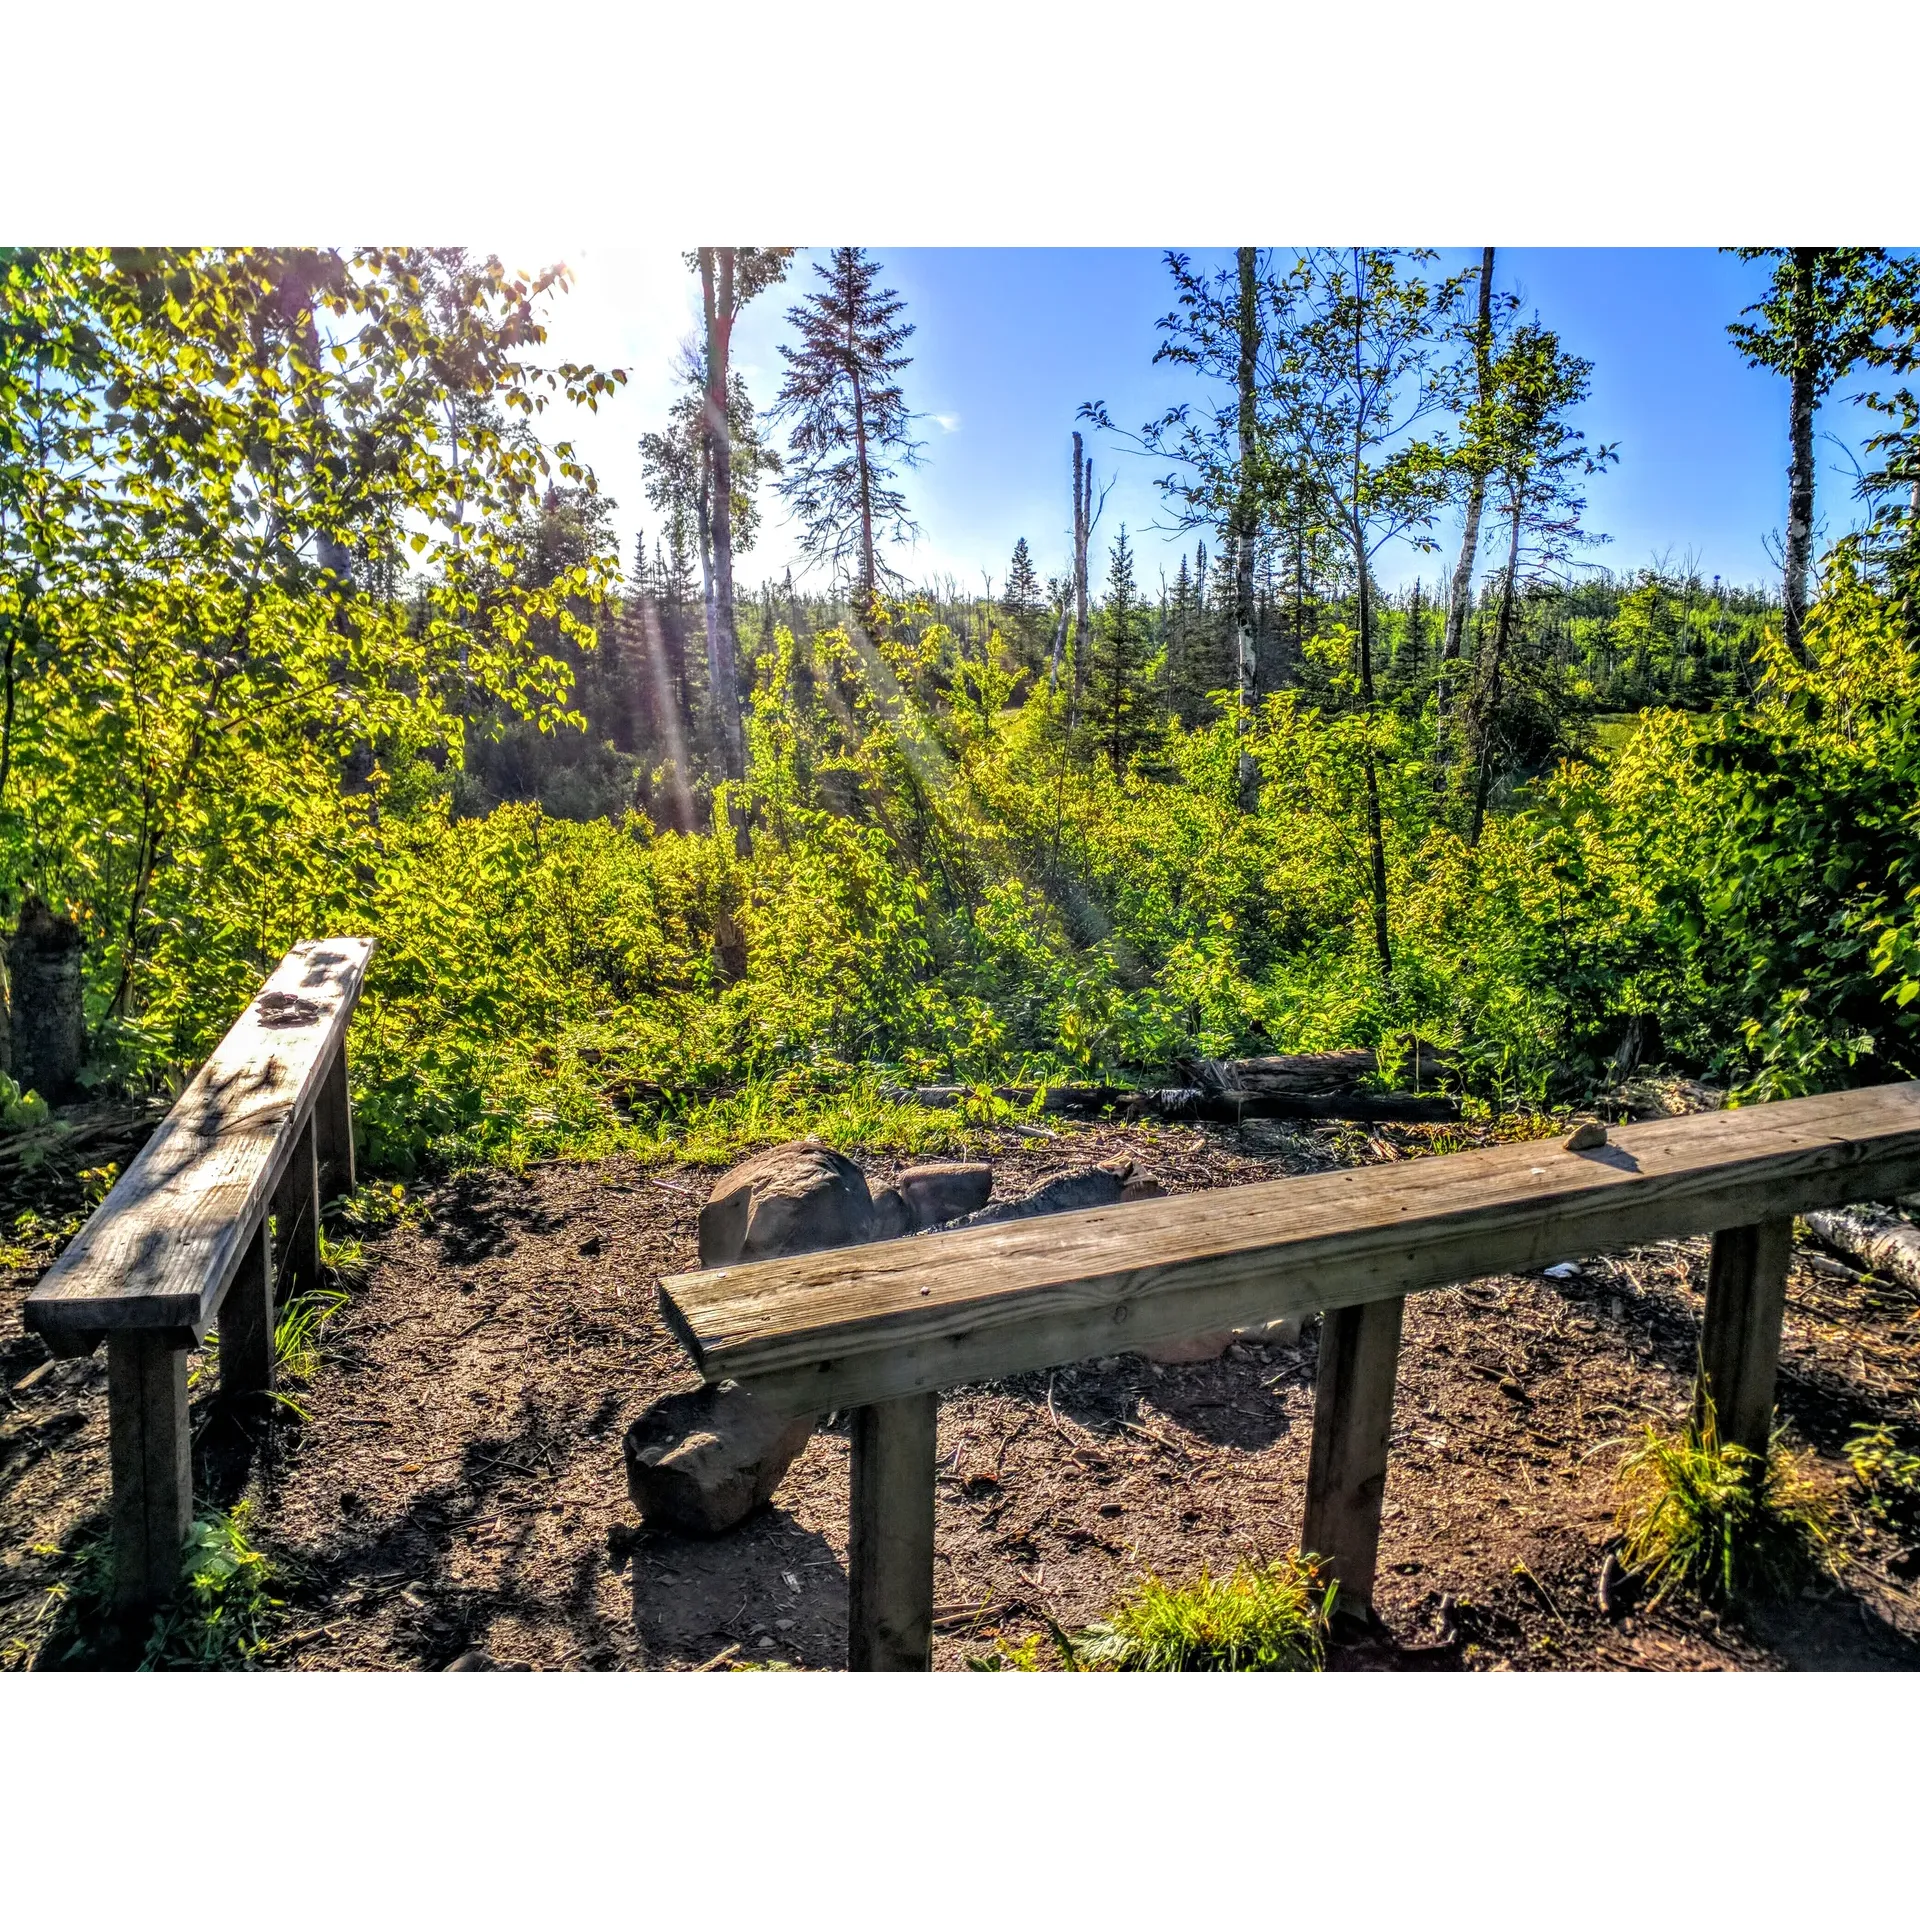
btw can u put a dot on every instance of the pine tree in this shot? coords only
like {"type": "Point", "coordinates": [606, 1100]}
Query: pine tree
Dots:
{"type": "Point", "coordinates": [850, 423]}
{"type": "Point", "coordinates": [1120, 693]}
{"type": "Point", "coordinates": [1024, 608]}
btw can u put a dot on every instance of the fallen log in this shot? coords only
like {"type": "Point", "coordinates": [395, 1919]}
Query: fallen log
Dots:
{"type": "Point", "coordinates": [1224, 1107]}
{"type": "Point", "coordinates": [1876, 1236]}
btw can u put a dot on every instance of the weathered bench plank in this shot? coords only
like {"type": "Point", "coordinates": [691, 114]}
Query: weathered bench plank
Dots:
{"type": "Point", "coordinates": [158, 1254]}
{"type": "Point", "coordinates": [856, 1325]}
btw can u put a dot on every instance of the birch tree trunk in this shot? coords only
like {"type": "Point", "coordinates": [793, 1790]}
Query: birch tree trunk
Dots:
{"type": "Point", "coordinates": [1246, 515]}
{"type": "Point", "coordinates": [1461, 598]}
{"type": "Point", "coordinates": [717, 688]}
{"type": "Point", "coordinates": [1082, 532]}
{"type": "Point", "coordinates": [1376, 837]}
{"type": "Point", "coordinates": [723, 641]}
{"type": "Point", "coordinates": [1799, 545]}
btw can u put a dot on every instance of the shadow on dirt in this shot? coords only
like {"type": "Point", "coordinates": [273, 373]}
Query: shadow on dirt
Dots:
{"type": "Point", "coordinates": [476, 1219]}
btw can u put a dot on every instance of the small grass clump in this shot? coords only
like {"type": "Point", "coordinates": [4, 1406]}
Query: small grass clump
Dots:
{"type": "Point", "coordinates": [1715, 1519]}
{"type": "Point", "coordinates": [1270, 1619]}
{"type": "Point", "coordinates": [298, 1329]}
{"type": "Point", "coordinates": [1888, 1473]}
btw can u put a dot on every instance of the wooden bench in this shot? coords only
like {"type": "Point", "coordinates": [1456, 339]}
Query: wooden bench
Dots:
{"type": "Point", "coordinates": [882, 1328]}
{"type": "Point", "coordinates": [227, 1190]}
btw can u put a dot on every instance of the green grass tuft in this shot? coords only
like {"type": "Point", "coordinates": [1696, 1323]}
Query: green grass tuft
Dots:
{"type": "Point", "coordinates": [1715, 1520]}
{"type": "Point", "coordinates": [1270, 1619]}
{"type": "Point", "coordinates": [298, 1329]}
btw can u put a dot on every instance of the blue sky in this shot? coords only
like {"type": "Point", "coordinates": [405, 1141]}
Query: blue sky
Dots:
{"type": "Point", "coordinates": [1009, 342]}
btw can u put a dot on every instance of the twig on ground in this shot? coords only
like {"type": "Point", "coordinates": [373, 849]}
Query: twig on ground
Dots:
{"type": "Point", "coordinates": [726, 1653]}
{"type": "Point", "coordinates": [473, 1326]}
{"type": "Point", "coordinates": [1146, 1434]}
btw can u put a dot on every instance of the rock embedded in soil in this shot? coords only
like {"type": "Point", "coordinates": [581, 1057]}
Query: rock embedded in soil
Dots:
{"type": "Point", "coordinates": [944, 1191]}
{"type": "Point", "coordinates": [700, 1462]}
{"type": "Point", "coordinates": [796, 1198]}
{"type": "Point", "coordinates": [1097, 1186]}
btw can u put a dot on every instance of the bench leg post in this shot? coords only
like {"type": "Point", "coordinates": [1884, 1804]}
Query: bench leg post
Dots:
{"type": "Point", "coordinates": [890, 1538]}
{"type": "Point", "coordinates": [1740, 1340]}
{"type": "Point", "coordinates": [149, 1449]}
{"type": "Point", "coordinates": [333, 1129]}
{"type": "Point", "coordinates": [1352, 1424]}
{"type": "Point", "coordinates": [246, 1323]}
{"type": "Point", "coordinates": [296, 1209]}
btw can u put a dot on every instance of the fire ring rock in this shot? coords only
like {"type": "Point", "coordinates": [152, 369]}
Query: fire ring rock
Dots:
{"type": "Point", "coordinates": [797, 1198]}
{"type": "Point", "coordinates": [700, 1462]}
{"type": "Point", "coordinates": [943, 1191]}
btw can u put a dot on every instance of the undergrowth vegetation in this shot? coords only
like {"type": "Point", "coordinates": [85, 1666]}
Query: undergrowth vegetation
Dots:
{"type": "Point", "coordinates": [932, 890]}
{"type": "Point", "coordinates": [219, 1618]}
{"type": "Point", "coordinates": [1705, 1516]}
{"type": "Point", "coordinates": [1270, 1619]}
{"type": "Point", "coordinates": [1256, 1619]}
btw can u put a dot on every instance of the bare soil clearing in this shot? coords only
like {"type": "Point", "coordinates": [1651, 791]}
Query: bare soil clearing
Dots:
{"type": "Point", "coordinates": [457, 1496]}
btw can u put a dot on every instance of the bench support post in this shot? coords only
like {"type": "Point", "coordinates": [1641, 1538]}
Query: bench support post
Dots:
{"type": "Point", "coordinates": [890, 1538]}
{"type": "Point", "coordinates": [148, 1446]}
{"type": "Point", "coordinates": [296, 1208]}
{"type": "Point", "coordinates": [246, 1322]}
{"type": "Point", "coordinates": [1352, 1423]}
{"type": "Point", "coordinates": [1740, 1341]}
{"type": "Point", "coordinates": [333, 1129]}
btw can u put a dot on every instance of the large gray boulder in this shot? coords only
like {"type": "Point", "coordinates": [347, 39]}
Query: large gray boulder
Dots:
{"type": "Point", "coordinates": [796, 1198]}
{"type": "Point", "coordinates": [700, 1462]}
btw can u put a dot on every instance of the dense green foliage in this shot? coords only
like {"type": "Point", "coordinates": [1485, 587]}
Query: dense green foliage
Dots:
{"type": "Point", "coordinates": [303, 630]}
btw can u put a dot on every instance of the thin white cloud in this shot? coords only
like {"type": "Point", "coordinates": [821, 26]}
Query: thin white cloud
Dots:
{"type": "Point", "coordinates": [947, 422]}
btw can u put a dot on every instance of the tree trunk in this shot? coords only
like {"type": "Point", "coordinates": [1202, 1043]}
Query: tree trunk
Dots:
{"type": "Point", "coordinates": [1082, 516]}
{"type": "Point", "coordinates": [717, 690]}
{"type": "Point", "coordinates": [1480, 721]}
{"type": "Point", "coordinates": [1246, 510]}
{"type": "Point", "coordinates": [1376, 838]}
{"type": "Point", "coordinates": [46, 1017]}
{"type": "Point", "coordinates": [717, 263]}
{"type": "Point", "coordinates": [1462, 596]}
{"type": "Point", "coordinates": [1800, 469]}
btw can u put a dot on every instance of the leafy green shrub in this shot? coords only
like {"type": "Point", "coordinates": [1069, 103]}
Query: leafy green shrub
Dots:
{"type": "Point", "coordinates": [221, 1611]}
{"type": "Point", "coordinates": [217, 1619]}
{"type": "Point", "coordinates": [1270, 1619]}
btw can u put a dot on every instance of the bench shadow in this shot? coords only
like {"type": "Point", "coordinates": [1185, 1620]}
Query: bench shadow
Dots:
{"type": "Point", "coordinates": [1823, 1407]}
{"type": "Point", "coordinates": [769, 1580]}
{"type": "Point", "coordinates": [1234, 1402]}
{"type": "Point", "coordinates": [446, 1617]}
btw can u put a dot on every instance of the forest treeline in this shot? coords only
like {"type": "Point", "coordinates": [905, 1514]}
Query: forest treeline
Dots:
{"type": "Point", "coordinates": [310, 618]}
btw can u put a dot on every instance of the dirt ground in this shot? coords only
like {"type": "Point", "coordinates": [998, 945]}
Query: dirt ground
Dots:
{"type": "Point", "coordinates": [457, 1498]}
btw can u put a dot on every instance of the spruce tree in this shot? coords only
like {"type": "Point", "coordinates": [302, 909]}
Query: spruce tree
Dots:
{"type": "Point", "coordinates": [850, 423]}
{"type": "Point", "coordinates": [1120, 692]}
